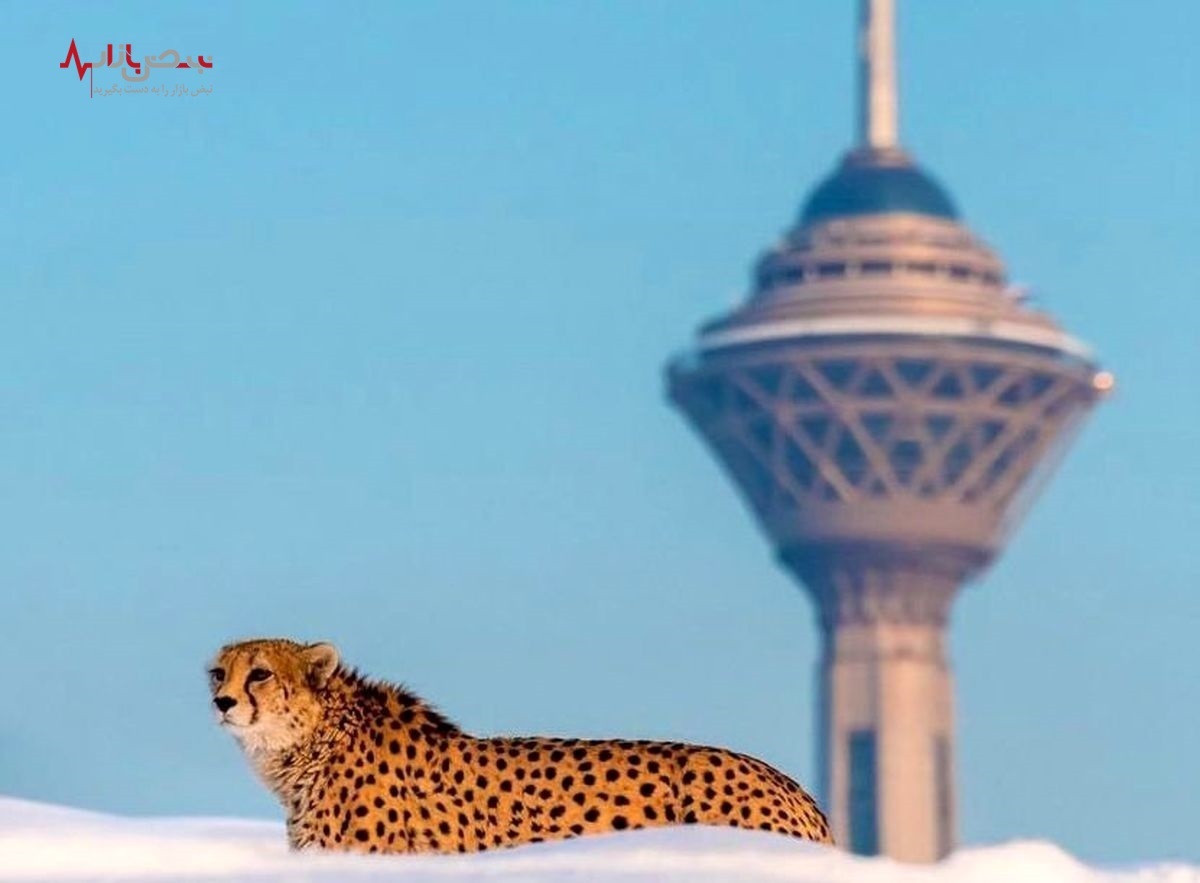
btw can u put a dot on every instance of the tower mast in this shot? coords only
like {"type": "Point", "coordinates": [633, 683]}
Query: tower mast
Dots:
{"type": "Point", "coordinates": [878, 123]}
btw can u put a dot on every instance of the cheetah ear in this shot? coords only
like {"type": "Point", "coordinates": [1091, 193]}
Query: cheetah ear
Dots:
{"type": "Point", "coordinates": [322, 661]}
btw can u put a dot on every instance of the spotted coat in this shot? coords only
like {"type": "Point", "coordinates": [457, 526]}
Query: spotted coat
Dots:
{"type": "Point", "coordinates": [381, 771]}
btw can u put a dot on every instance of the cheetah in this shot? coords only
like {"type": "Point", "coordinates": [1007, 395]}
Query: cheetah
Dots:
{"type": "Point", "coordinates": [365, 766]}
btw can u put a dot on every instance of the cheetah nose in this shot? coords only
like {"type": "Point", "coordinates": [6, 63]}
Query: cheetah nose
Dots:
{"type": "Point", "coordinates": [224, 703]}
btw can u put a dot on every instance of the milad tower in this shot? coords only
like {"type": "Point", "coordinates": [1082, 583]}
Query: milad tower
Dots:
{"type": "Point", "coordinates": [888, 406]}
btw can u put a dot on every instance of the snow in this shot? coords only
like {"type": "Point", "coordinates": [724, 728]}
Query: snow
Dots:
{"type": "Point", "coordinates": [43, 842]}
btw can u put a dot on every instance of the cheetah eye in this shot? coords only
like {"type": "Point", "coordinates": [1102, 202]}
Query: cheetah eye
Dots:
{"type": "Point", "coordinates": [258, 674]}
{"type": "Point", "coordinates": [216, 675]}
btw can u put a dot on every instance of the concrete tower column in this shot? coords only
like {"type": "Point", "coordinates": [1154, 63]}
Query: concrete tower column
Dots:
{"type": "Point", "coordinates": [887, 710]}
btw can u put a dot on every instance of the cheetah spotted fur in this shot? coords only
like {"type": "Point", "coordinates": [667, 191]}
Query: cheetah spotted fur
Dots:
{"type": "Point", "coordinates": [368, 767]}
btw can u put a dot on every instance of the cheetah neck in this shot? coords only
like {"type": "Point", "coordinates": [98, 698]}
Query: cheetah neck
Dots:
{"type": "Point", "coordinates": [353, 711]}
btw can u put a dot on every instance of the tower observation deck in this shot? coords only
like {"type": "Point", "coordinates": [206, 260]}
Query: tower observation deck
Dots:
{"type": "Point", "coordinates": [887, 407]}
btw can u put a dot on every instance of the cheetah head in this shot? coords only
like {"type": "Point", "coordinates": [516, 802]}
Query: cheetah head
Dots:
{"type": "Point", "coordinates": [268, 692]}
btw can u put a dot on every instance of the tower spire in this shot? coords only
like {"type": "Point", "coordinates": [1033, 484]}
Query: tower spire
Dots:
{"type": "Point", "coordinates": [878, 113]}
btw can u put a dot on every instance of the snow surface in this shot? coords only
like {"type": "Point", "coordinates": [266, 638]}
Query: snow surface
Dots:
{"type": "Point", "coordinates": [42, 842]}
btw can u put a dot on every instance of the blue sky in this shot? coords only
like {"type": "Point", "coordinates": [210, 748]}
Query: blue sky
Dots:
{"type": "Point", "coordinates": [366, 345]}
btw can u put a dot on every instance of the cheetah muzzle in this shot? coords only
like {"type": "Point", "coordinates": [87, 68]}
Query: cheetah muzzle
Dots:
{"type": "Point", "coordinates": [366, 766]}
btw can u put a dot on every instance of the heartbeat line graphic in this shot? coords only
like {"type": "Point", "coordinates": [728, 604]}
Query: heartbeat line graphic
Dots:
{"type": "Point", "coordinates": [73, 58]}
{"type": "Point", "coordinates": [135, 66]}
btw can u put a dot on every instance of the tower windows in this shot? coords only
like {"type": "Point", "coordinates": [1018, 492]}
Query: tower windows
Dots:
{"type": "Point", "coordinates": [938, 425]}
{"type": "Point", "coordinates": [864, 776]}
{"type": "Point", "coordinates": [817, 428]}
{"type": "Point", "coordinates": [878, 425]}
{"type": "Point", "coordinates": [950, 386]}
{"type": "Point", "coordinates": [984, 375]}
{"type": "Point", "coordinates": [799, 465]}
{"type": "Point", "coordinates": [874, 386]}
{"type": "Point", "coordinates": [906, 457]}
{"type": "Point", "coordinates": [802, 390]}
{"type": "Point", "coordinates": [767, 378]}
{"type": "Point", "coordinates": [914, 371]}
{"type": "Point", "coordinates": [956, 461]}
{"type": "Point", "coordinates": [839, 372]}
{"type": "Point", "coordinates": [771, 276]}
{"type": "Point", "coordinates": [851, 459]}
{"type": "Point", "coordinates": [943, 796]}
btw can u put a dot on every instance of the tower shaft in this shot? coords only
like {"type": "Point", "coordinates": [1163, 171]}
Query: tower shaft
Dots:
{"type": "Point", "coordinates": [878, 110]}
{"type": "Point", "coordinates": [887, 709]}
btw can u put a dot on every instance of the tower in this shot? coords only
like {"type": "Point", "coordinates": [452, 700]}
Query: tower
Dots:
{"type": "Point", "coordinates": [887, 406]}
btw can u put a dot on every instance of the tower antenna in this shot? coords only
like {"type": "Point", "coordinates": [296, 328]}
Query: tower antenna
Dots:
{"type": "Point", "coordinates": [879, 118]}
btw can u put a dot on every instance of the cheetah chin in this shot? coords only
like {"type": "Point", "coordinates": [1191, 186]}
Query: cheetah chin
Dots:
{"type": "Point", "coordinates": [366, 766]}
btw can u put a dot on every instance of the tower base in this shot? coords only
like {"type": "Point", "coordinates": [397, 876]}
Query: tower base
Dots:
{"type": "Point", "coordinates": [887, 723]}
